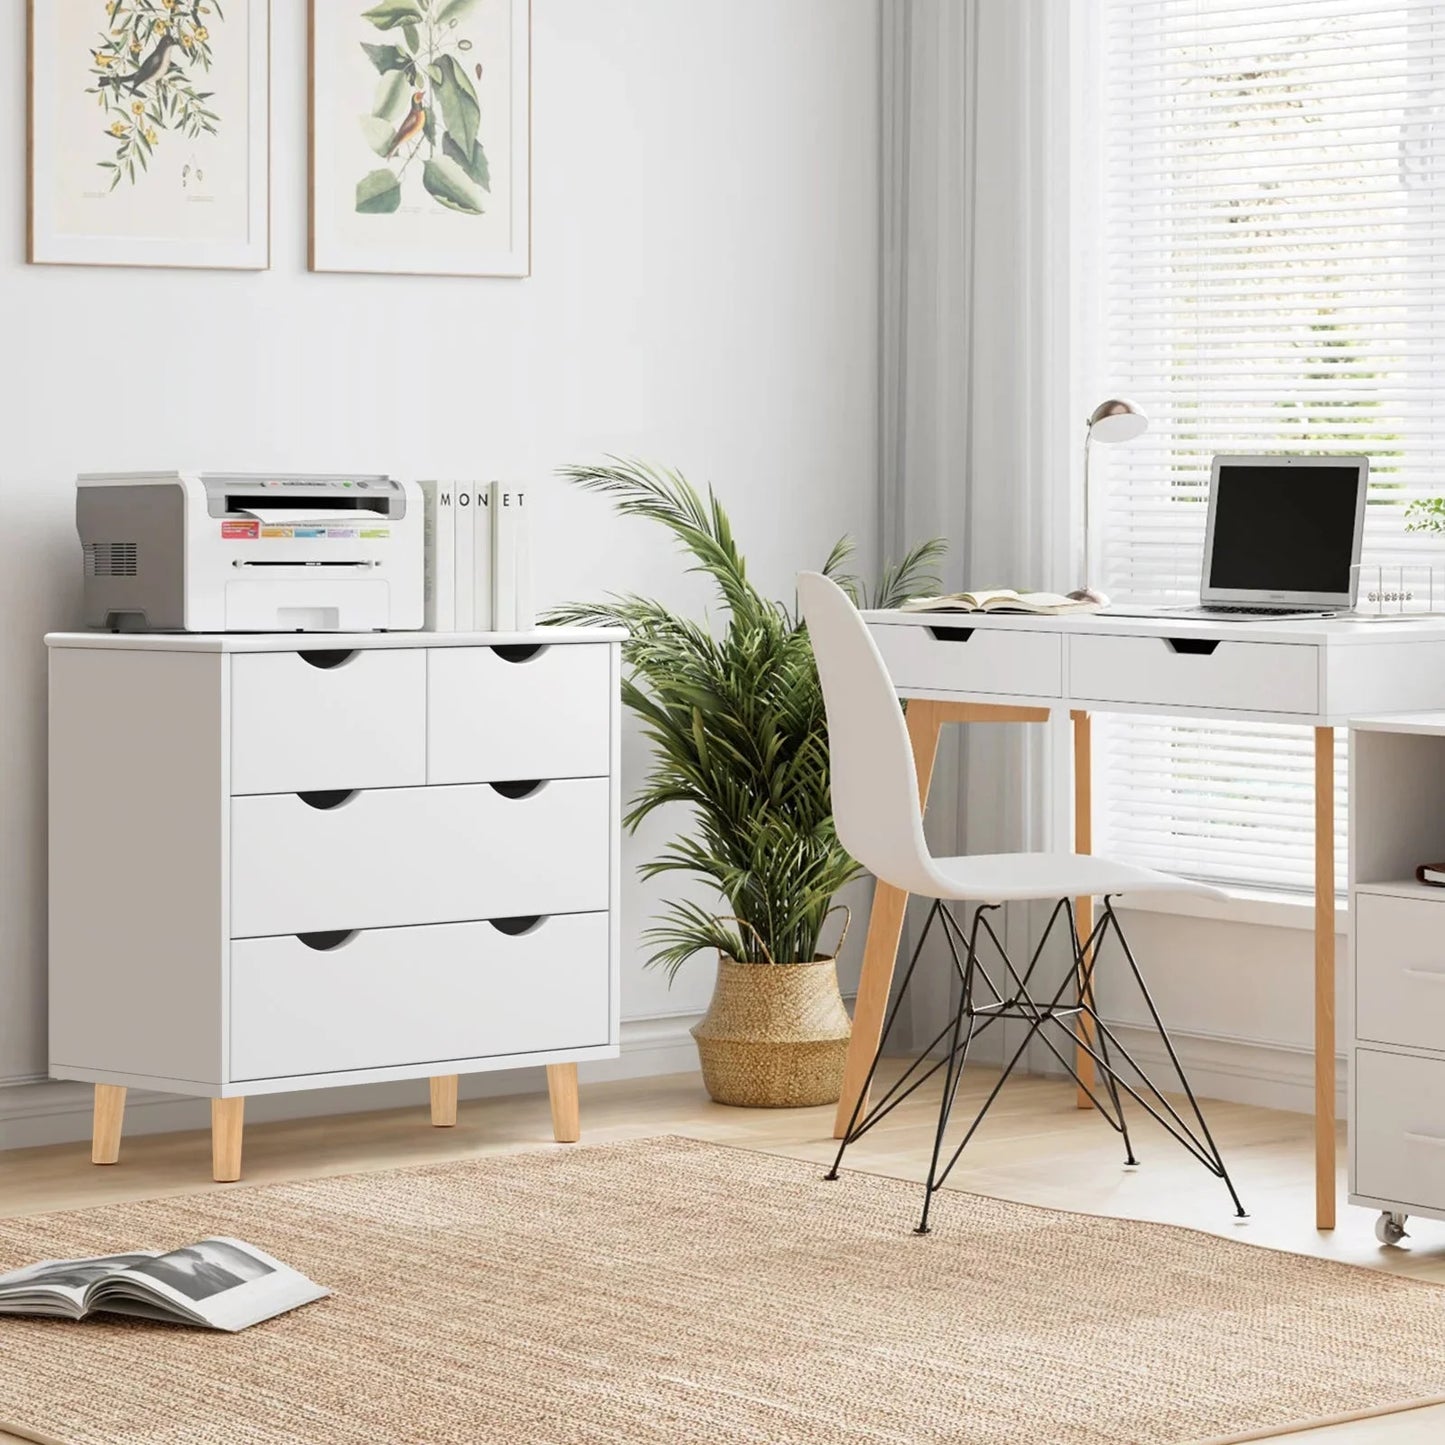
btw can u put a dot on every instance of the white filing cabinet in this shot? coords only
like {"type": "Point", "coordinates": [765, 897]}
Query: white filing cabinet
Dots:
{"type": "Point", "coordinates": [291, 861]}
{"type": "Point", "coordinates": [1397, 1038]}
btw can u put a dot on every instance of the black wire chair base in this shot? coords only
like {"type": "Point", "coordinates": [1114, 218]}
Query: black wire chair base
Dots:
{"type": "Point", "coordinates": [1070, 1011]}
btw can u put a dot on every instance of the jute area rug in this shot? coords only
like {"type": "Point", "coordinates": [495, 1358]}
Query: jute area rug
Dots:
{"type": "Point", "coordinates": [668, 1291]}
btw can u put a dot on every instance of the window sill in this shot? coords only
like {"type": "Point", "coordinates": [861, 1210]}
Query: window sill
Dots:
{"type": "Point", "coordinates": [1258, 906]}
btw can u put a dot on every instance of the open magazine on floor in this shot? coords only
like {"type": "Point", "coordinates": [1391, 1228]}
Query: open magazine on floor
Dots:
{"type": "Point", "coordinates": [219, 1283]}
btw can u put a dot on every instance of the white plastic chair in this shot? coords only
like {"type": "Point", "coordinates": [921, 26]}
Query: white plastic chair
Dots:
{"type": "Point", "coordinates": [880, 822]}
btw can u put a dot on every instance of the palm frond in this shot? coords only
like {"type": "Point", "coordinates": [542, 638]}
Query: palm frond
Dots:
{"type": "Point", "coordinates": [914, 576]}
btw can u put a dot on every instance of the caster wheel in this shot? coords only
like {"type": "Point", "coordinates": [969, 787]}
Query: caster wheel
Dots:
{"type": "Point", "coordinates": [1390, 1228]}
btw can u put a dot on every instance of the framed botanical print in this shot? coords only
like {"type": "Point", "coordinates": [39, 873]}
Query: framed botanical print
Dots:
{"type": "Point", "coordinates": [149, 132]}
{"type": "Point", "coordinates": [421, 136]}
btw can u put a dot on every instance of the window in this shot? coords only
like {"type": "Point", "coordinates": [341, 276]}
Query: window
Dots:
{"type": "Point", "coordinates": [1271, 277]}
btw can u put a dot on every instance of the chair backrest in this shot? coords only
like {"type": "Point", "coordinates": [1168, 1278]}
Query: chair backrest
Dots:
{"type": "Point", "coordinates": [875, 785]}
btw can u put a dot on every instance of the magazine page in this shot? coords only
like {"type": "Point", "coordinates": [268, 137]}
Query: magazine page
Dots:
{"type": "Point", "coordinates": [220, 1282]}
{"type": "Point", "coordinates": [58, 1286]}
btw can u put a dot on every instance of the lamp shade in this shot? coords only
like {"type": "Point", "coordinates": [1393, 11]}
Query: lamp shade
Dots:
{"type": "Point", "coordinates": [1117, 420]}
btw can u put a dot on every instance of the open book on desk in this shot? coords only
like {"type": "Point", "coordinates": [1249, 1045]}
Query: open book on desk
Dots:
{"type": "Point", "coordinates": [1005, 599]}
{"type": "Point", "coordinates": [219, 1283]}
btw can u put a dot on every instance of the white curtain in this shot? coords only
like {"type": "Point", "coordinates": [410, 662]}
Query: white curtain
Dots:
{"type": "Point", "coordinates": [977, 436]}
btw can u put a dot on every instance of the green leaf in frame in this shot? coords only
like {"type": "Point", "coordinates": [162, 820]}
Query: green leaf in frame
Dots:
{"type": "Point", "coordinates": [391, 13]}
{"type": "Point", "coordinates": [385, 58]}
{"type": "Point", "coordinates": [393, 97]}
{"type": "Point", "coordinates": [378, 193]}
{"type": "Point", "coordinates": [455, 10]}
{"type": "Point", "coordinates": [475, 164]}
{"type": "Point", "coordinates": [450, 185]}
{"type": "Point", "coordinates": [461, 110]}
{"type": "Point", "coordinates": [378, 133]}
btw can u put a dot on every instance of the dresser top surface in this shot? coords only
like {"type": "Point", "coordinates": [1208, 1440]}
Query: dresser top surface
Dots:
{"type": "Point", "coordinates": [311, 641]}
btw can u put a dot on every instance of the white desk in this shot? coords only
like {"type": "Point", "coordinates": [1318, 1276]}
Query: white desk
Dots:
{"type": "Point", "coordinates": [957, 667]}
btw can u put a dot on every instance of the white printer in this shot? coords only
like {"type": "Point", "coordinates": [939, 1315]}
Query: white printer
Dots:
{"type": "Point", "coordinates": [232, 552]}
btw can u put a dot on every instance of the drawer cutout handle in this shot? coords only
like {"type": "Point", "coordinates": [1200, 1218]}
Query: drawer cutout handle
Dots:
{"type": "Point", "coordinates": [519, 651]}
{"type": "Point", "coordinates": [329, 939]}
{"type": "Point", "coordinates": [516, 927]}
{"type": "Point", "coordinates": [1432, 973]}
{"type": "Point", "coordinates": [521, 788]}
{"type": "Point", "coordinates": [324, 657]}
{"type": "Point", "coordinates": [1192, 646]}
{"type": "Point", "coordinates": [951, 634]}
{"type": "Point", "coordinates": [1434, 1139]}
{"type": "Point", "coordinates": [328, 798]}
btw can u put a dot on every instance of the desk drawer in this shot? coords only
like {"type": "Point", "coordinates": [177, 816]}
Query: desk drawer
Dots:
{"type": "Point", "coordinates": [400, 996]}
{"type": "Point", "coordinates": [396, 856]}
{"type": "Point", "coordinates": [519, 712]}
{"type": "Point", "coordinates": [1399, 1129]}
{"type": "Point", "coordinates": [1190, 672]}
{"type": "Point", "coordinates": [1400, 970]}
{"type": "Point", "coordinates": [328, 718]}
{"type": "Point", "coordinates": [972, 659]}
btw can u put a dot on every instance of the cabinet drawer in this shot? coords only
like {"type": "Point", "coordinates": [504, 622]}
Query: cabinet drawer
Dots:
{"type": "Point", "coordinates": [397, 856]}
{"type": "Point", "coordinates": [524, 712]}
{"type": "Point", "coordinates": [1400, 970]}
{"type": "Point", "coordinates": [961, 658]}
{"type": "Point", "coordinates": [1190, 672]}
{"type": "Point", "coordinates": [401, 996]}
{"type": "Point", "coordinates": [328, 718]}
{"type": "Point", "coordinates": [1398, 1136]}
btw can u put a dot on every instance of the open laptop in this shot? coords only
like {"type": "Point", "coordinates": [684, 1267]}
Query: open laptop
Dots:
{"type": "Point", "coordinates": [1282, 539]}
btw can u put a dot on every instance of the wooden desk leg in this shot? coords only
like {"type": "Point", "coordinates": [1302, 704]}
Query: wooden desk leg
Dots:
{"type": "Point", "coordinates": [885, 928]}
{"type": "Point", "coordinates": [1324, 978]}
{"type": "Point", "coordinates": [227, 1116]}
{"type": "Point", "coordinates": [108, 1118]}
{"type": "Point", "coordinates": [444, 1101]}
{"type": "Point", "coordinates": [566, 1114]}
{"type": "Point", "coordinates": [1084, 907]}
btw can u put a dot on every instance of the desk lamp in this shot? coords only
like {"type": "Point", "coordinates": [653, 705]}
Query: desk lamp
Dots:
{"type": "Point", "coordinates": [1115, 420]}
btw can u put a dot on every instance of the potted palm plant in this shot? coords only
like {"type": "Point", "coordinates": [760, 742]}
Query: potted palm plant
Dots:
{"type": "Point", "coordinates": [736, 721]}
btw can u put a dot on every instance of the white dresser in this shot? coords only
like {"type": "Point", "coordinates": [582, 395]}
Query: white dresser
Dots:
{"type": "Point", "coordinates": [1397, 1037]}
{"type": "Point", "coordinates": [283, 862]}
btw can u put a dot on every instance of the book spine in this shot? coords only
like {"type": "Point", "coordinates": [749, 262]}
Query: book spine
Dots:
{"type": "Point", "coordinates": [504, 558]}
{"type": "Point", "coordinates": [526, 611]}
{"type": "Point", "coordinates": [439, 534]}
{"type": "Point", "coordinates": [483, 604]}
{"type": "Point", "coordinates": [466, 558]}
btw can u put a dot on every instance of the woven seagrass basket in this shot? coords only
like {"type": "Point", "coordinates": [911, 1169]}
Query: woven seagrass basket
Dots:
{"type": "Point", "coordinates": [775, 1035]}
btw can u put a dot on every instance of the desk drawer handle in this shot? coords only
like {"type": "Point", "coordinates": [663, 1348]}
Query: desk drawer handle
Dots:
{"type": "Point", "coordinates": [1431, 973]}
{"type": "Point", "coordinates": [1192, 646]}
{"type": "Point", "coordinates": [951, 634]}
{"type": "Point", "coordinates": [519, 651]}
{"type": "Point", "coordinates": [516, 927]}
{"type": "Point", "coordinates": [329, 939]}
{"type": "Point", "coordinates": [1434, 1139]}
{"type": "Point", "coordinates": [325, 657]}
{"type": "Point", "coordinates": [328, 798]}
{"type": "Point", "coordinates": [521, 788]}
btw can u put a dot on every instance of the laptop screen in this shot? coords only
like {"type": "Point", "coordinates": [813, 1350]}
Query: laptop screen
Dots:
{"type": "Point", "coordinates": [1284, 528]}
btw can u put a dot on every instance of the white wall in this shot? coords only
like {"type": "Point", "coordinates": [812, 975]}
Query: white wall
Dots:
{"type": "Point", "coordinates": [704, 294]}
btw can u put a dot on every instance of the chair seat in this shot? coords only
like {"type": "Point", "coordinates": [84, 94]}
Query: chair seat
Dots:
{"type": "Point", "coordinates": [1004, 877]}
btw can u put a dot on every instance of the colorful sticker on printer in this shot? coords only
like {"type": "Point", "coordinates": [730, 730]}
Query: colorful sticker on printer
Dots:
{"type": "Point", "coordinates": [308, 531]}
{"type": "Point", "coordinates": [376, 532]}
{"type": "Point", "coordinates": [275, 531]}
{"type": "Point", "coordinates": [240, 531]}
{"type": "Point", "coordinates": [341, 534]}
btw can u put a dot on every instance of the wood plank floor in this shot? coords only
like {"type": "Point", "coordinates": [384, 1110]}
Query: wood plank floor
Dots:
{"type": "Point", "coordinates": [1036, 1147]}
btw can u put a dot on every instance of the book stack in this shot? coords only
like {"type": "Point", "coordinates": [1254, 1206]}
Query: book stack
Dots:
{"type": "Point", "coordinates": [478, 558]}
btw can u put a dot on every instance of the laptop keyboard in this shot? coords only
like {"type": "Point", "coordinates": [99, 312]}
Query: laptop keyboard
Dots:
{"type": "Point", "coordinates": [1233, 610]}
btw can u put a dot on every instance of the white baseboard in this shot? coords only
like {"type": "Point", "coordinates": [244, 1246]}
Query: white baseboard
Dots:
{"type": "Point", "coordinates": [55, 1112]}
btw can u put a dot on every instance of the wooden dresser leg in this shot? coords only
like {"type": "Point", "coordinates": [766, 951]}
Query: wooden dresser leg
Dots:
{"type": "Point", "coordinates": [227, 1116]}
{"type": "Point", "coordinates": [444, 1101]}
{"type": "Point", "coordinates": [109, 1116]}
{"type": "Point", "coordinates": [562, 1090]}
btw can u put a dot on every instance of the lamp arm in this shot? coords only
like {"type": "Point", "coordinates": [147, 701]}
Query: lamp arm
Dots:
{"type": "Point", "coordinates": [1088, 548]}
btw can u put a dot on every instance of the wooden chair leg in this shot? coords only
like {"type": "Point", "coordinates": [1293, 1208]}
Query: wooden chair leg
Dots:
{"type": "Point", "coordinates": [562, 1090]}
{"type": "Point", "coordinates": [227, 1116]}
{"type": "Point", "coordinates": [444, 1101]}
{"type": "Point", "coordinates": [106, 1125]}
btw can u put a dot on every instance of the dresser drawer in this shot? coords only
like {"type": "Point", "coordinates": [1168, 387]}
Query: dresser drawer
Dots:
{"type": "Point", "coordinates": [328, 718]}
{"type": "Point", "coordinates": [388, 857]}
{"type": "Point", "coordinates": [1191, 672]}
{"type": "Point", "coordinates": [519, 712]}
{"type": "Point", "coordinates": [955, 657]}
{"type": "Point", "coordinates": [1398, 1135]}
{"type": "Point", "coordinates": [400, 996]}
{"type": "Point", "coordinates": [1400, 970]}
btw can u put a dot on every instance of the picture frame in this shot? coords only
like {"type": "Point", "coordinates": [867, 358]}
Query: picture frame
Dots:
{"type": "Point", "coordinates": [420, 131]}
{"type": "Point", "coordinates": [149, 133]}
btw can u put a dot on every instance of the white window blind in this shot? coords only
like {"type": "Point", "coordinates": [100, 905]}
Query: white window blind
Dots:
{"type": "Point", "coordinates": [1271, 257]}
